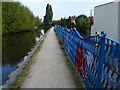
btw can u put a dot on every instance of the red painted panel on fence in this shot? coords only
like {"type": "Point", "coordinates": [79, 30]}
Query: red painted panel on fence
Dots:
{"type": "Point", "coordinates": [80, 61]}
{"type": "Point", "coordinates": [63, 38]}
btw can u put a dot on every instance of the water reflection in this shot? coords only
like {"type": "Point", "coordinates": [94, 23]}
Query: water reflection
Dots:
{"type": "Point", "coordinates": [14, 48]}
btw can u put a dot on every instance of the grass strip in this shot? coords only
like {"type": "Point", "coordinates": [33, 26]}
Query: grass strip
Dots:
{"type": "Point", "coordinates": [21, 77]}
{"type": "Point", "coordinates": [75, 75]}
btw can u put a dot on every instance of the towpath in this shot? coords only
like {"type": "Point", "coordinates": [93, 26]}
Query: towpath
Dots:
{"type": "Point", "coordinates": [50, 69]}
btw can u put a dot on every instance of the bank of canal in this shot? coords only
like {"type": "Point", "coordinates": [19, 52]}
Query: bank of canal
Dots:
{"type": "Point", "coordinates": [14, 48]}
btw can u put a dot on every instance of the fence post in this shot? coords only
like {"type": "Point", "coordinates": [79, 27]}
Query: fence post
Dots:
{"type": "Point", "coordinates": [100, 60]}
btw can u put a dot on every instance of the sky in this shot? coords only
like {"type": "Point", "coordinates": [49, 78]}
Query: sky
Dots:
{"type": "Point", "coordinates": [62, 8]}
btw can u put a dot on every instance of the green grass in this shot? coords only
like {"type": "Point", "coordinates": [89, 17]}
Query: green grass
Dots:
{"type": "Point", "coordinates": [21, 77]}
{"type": "Point", "coordinates": [70, 66]}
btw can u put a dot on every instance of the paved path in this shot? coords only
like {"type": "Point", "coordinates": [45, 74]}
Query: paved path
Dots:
{"type": "Point", "coordinates": [50, 69]}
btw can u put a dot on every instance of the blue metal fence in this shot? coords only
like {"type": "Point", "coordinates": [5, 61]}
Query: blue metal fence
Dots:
{"type": "Point", "coordinates": [97, 58]}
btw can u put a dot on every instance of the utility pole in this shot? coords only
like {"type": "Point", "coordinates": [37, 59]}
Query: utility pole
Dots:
{"type": "Point", "coordinates": [91, 21]}
{"type": "Point", "coordinates": [90, 13]}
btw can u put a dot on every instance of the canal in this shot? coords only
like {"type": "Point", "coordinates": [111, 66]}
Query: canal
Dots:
{"type": "Point", "coordinates": [14, 48]}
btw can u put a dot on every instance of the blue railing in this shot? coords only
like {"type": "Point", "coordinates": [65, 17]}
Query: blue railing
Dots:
{"type": "Point", "coordinates": [97, 58]}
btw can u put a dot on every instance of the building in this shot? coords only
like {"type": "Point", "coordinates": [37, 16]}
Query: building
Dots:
{"type": "Point", "coordinates": [91, 19]}
{"type": "Point", "coordinates": [73, 20]}
{"type": "Point", "coordinates": [107, 18]}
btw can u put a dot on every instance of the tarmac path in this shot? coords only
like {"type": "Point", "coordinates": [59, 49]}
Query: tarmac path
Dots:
{"type": "Point", "coordinates": [50, 69]}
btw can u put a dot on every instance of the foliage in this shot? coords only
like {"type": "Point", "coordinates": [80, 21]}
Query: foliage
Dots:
{"type": "Point", "coordinates": [37, 21]}
{"type": "Point", "coordinates": [63, 22]}
{"type": "Point", "coordinates": [82, 22]}
{"type": "Point", "coordinates": [16, 18]}
{"type": "Point", "coordinates": [0, 18]}
{"type": "Point", "coordinates": [55, 23]}
{"type": "Point", "coordinates": [48, 16]}
{"type": "Point", "coordinates": [66, 22]}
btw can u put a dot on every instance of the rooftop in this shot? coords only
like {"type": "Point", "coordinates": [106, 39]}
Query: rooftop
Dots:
{"type": "Point", "coordinates": [108, 3]}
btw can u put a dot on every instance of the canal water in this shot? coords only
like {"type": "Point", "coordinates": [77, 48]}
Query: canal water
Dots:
{"type": "Point", "coordinates": [14, 48]}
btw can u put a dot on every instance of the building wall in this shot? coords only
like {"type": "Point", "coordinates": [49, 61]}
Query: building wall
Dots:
{"type": "Point", "coordinates": [119, 22]}
{"type": "Point", "coordinates": [106, 19]}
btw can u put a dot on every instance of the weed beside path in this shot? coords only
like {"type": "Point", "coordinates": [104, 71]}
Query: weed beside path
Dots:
{"type": "Point", "coordinates": [21, 77]}
{"type": "Point", "coordinates": [76, 78]}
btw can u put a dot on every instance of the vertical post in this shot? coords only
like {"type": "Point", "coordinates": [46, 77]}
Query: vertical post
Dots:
{"type": "Point", "coordinates": [100, 61]}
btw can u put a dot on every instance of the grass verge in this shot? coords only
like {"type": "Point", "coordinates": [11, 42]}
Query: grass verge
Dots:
{"type": "Point", "coordinates": [78, 83]}
{"type": "Point", "coordinates": [21, 77]}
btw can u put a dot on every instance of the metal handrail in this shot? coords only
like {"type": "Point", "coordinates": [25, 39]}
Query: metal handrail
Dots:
{"type": "Point", "coordinates": [96, 58]}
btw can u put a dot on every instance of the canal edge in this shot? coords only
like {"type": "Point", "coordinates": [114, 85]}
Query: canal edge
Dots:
{"type": "Point", "coordinates": [13, 75]}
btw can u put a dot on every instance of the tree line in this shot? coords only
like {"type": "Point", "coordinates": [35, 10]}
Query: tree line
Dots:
{"type": "Point", "coordinates": [17, 18]}
{"type": "Point", "coordinates": [82, 23]}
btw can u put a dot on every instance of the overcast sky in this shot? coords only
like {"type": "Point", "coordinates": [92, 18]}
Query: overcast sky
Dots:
{"type": "Point", "coordinates": [62, 8]}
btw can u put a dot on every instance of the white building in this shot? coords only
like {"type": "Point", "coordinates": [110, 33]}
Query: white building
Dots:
{"type": "Point", "coordinates": [107, 18]}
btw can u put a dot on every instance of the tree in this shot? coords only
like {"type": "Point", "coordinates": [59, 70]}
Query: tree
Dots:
{"type": "Point", "coordinates": [82, 22]}
{"type": "Point", "coordinates": [55, 22]}
{"type": "Point", "coordinates": [68, 22]}
{"type": "Point", "coordinates": [0, 17]}
{"type": "Point", "coordinates": [63, 22]}
{"type": "Point", "coordinates": [37, 21]}
{"type": "Point", "coordinates": [48, 16]}
{"type": "Point", "coordinates": [16, 18]}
